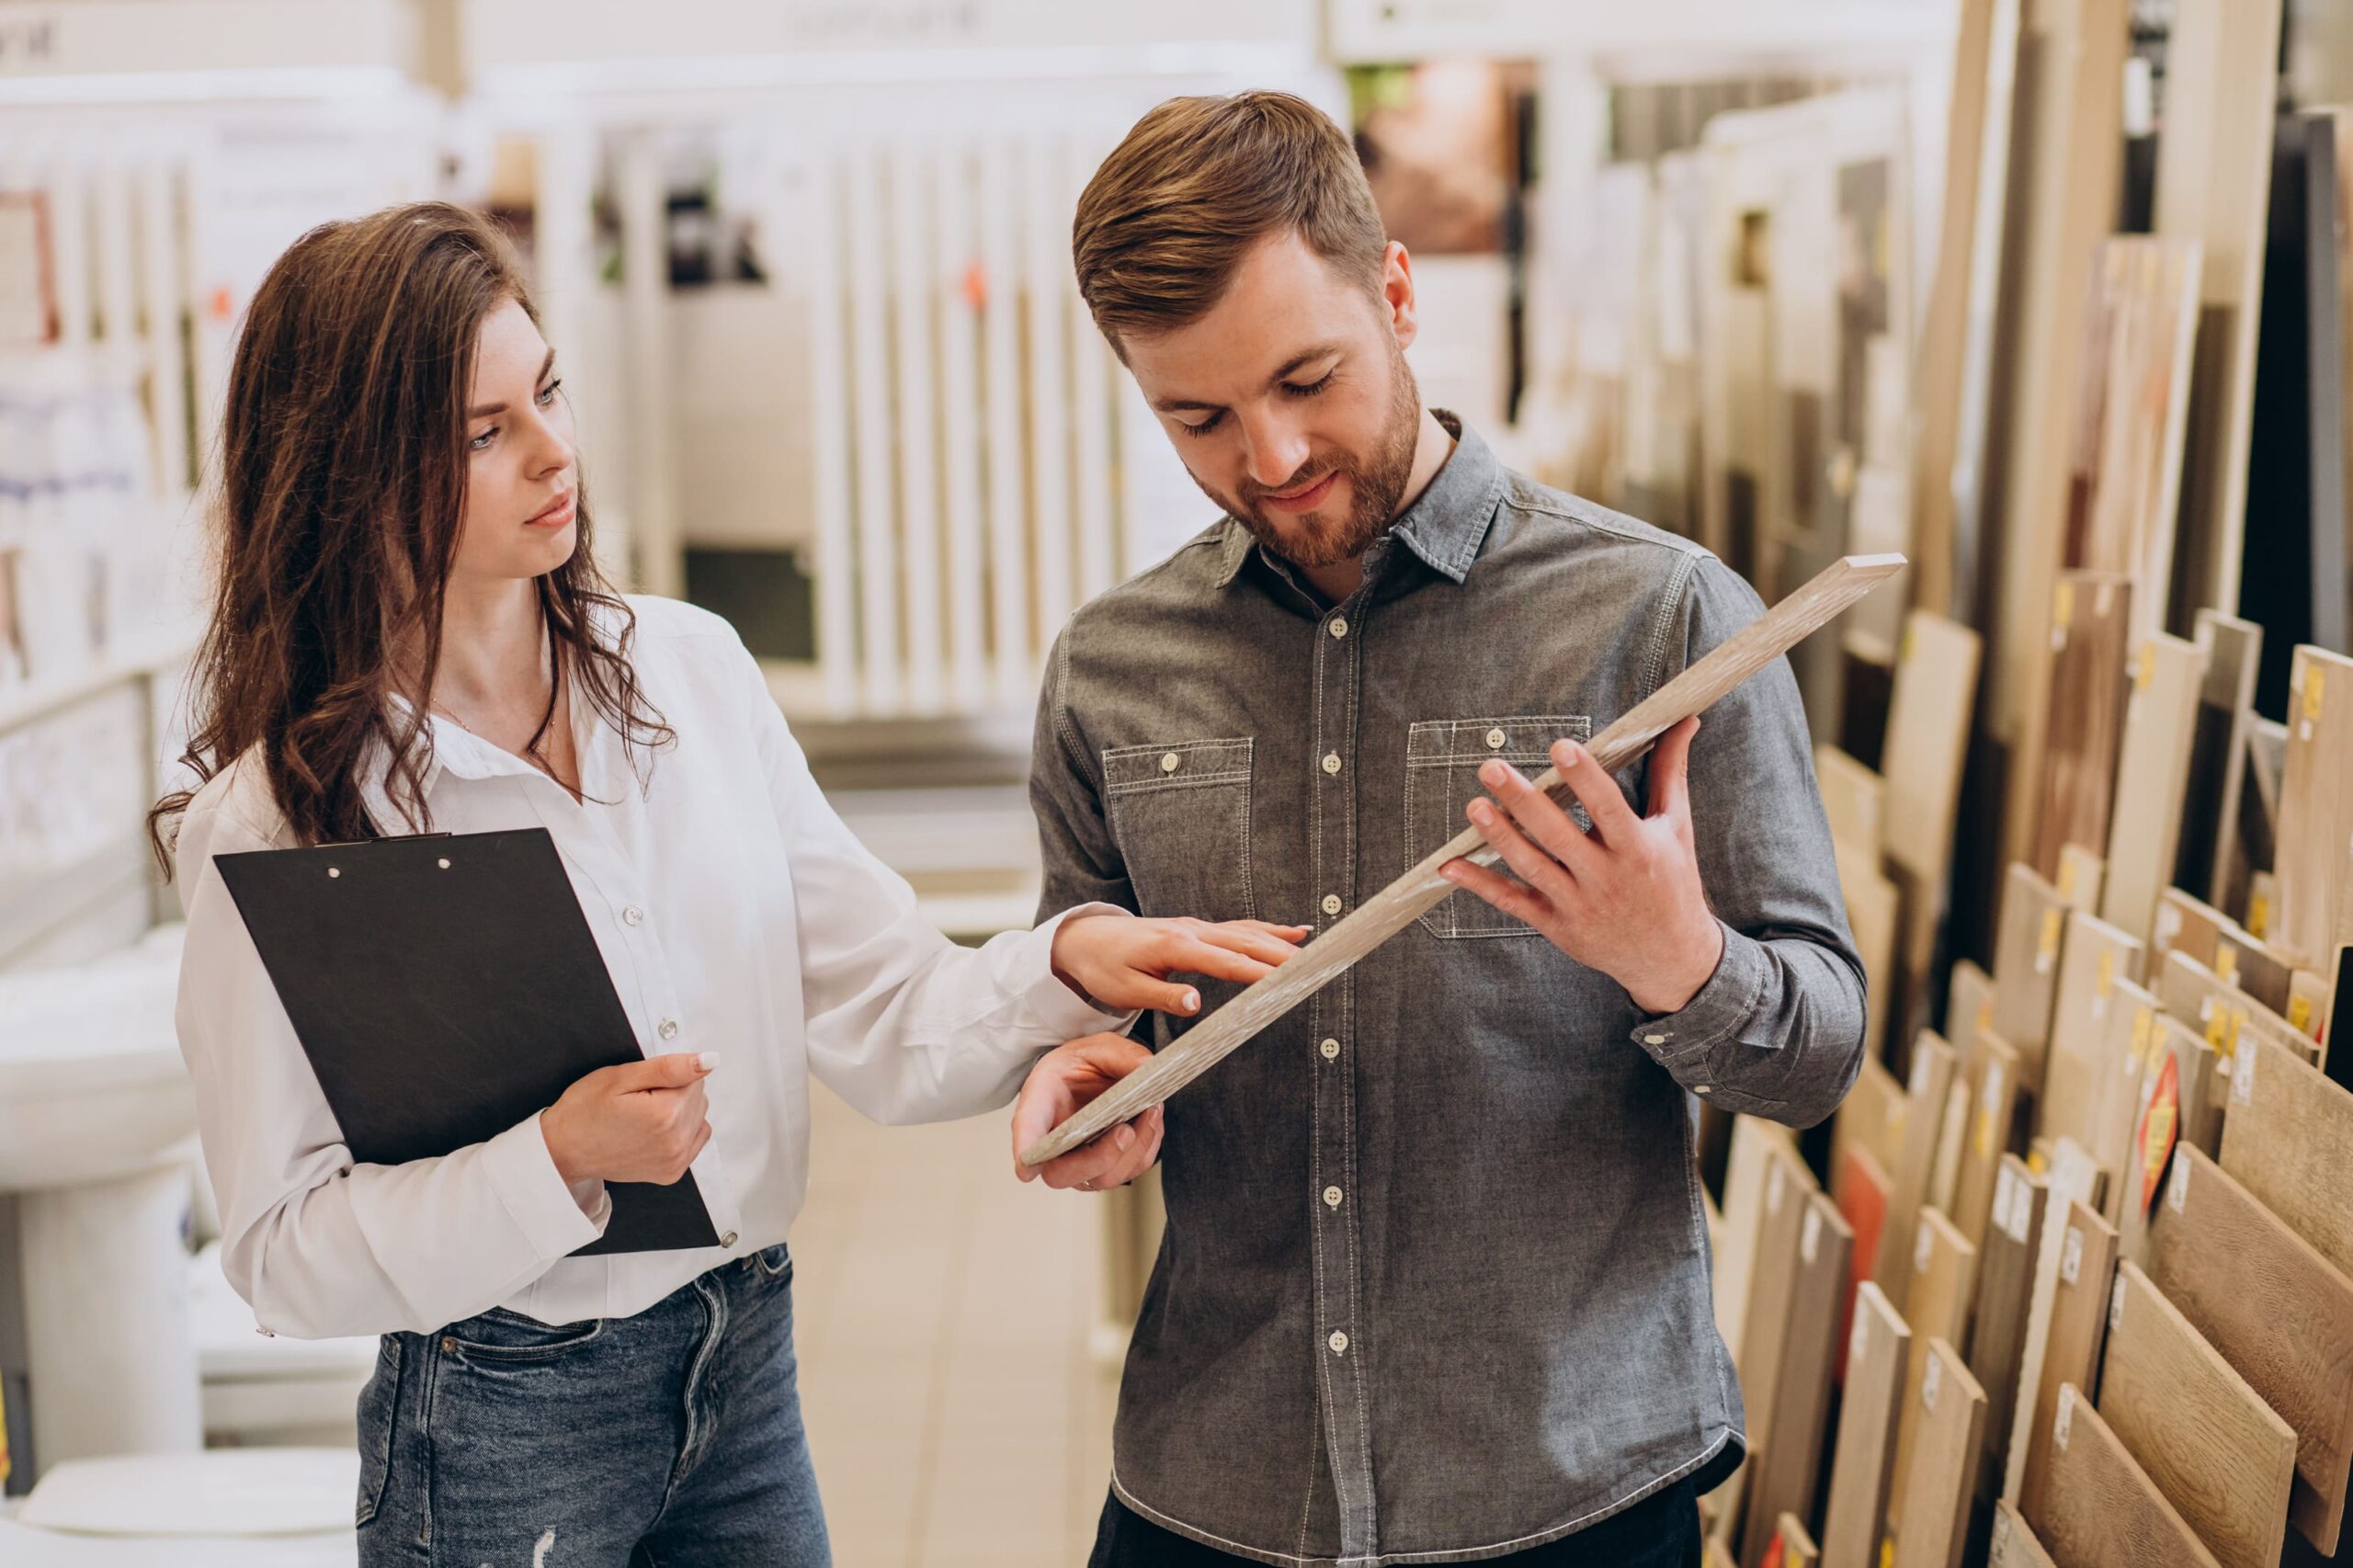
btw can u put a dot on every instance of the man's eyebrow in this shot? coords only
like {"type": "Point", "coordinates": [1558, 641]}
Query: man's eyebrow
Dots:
{"type": "Point", "coordinates": [1304, 358]}
{"type": "Point", "coordinates": [487, 409]}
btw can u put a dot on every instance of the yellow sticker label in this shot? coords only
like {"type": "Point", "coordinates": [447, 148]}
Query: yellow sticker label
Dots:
{"type": "Point", "coordinates": [2258, 915]}
{"type": "Point", "coordinates": [2218, 1026]}
{"type": "Point", "coordinates": [2313, 684]}
{"type": "Point", "coordinates": [2143, 1025]}
{"type": "Point", "coordinates": [2300, 1014]}
{"type": "Point", "coordinates": [2227, 963]}
{"type": "Point", "coordinates": [2106, 981]}
{"type": "Point", "coordinates": [1984, 1134]}
{"type": "Point", "coordinates": [2047, 948]}
{"type": "Point", "coordinates": [2067, 878]}
{"type": "Point", "coordinates": [1887, 1551]}
{"type": "Point", "coordinates": [1904, 654]}
{"type": "Point", "coordinates": [2146, 675]}
{"type": "Point", "coordinates": [2062, 606]}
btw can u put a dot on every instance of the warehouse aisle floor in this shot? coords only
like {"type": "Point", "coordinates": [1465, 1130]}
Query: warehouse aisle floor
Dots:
{"type": "Point", "coordinates": [942, 1316]}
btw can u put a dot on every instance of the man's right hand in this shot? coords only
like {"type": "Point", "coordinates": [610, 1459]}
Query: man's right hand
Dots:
{"type": "Point", "coordinates": [639, 1121]}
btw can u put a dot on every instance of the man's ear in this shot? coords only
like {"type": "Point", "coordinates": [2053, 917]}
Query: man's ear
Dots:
{"type": "Point", "coordinates": [1397, 294]}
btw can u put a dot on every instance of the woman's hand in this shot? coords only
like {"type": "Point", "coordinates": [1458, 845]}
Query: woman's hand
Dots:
{"type": "Point", "coordinates": [1120, 961]}
{"type": "Point", "coordinates": [639, 1121]}
{"type": "Point", "coordinates": [1066, 1078]}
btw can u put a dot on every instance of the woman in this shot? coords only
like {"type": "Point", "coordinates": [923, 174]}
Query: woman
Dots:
{"type": "Point", "coordinates": [410, 635]}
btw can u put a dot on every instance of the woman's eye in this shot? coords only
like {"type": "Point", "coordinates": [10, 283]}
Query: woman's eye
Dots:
{"type": "Point", "coordinates": [482, 443]}
{"type": "Point", "coordinates": [547, 397]}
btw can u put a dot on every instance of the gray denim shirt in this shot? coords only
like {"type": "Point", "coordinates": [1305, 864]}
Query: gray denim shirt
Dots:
{"type": "Point", "coordinates": [1434, 1285]}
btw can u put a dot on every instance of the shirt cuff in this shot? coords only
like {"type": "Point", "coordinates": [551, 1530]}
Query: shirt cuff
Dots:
{"type": "Point", "coordinates": [1716, 1010]}
{"type": "Point", "coordinates": [1053, 1005]}
{"type": "Point", "coordinates": [536, 1198]}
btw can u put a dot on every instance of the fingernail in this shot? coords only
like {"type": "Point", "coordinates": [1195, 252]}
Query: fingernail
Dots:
{"type": "Point", "coordinates": [707, 1060]}
{"type": "Point", "coordinates": [1192, 1000]}
{"type": "Point", "coordinates": [1482, 813]}
{"type": "Point", "coordinates": [1125, 1138]}
{"type": "Point", "coordinates": [1492, 772]}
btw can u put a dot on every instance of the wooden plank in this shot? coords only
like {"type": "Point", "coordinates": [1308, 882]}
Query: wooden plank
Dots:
{"type": "Point", "coordinates": [2152, 773]}
{"type": "Point", "coordinates": [1944, 1287]}
{"type": "Point", "coordinates": [2307, 1010]}
{"type": "Point", "coordinates": [1945, 1410]}
{"type": "Point", "coordinates": [1873, 915]}
{"type": "Point", "coordinates": [2132, 1035]}
{"type": "Point", "coordinates": [1909, 1176]}
{"type": "Point", "coordinates": [1798, 1550]}
{"type": "Point", "coordinates": [2186, 923]}
{"type": "Point", "coordinates": [1862, 1467]}
{"type": "Point", "coordinates": [1340, 945]}
{"type": "Point", "coordinates": [2219, 1454]}
{"type": "Point", "coordinates": [2090, 627]}
{"type": "Point", "coordinates": [2212, 856]}
{"type": "Point", "coordinates": [1753, 1145]}
{"type": "Point", "coordinates": [2213, 187]}
{"type": "Point", "coordinates": [2083, 873]}
{"type": "Point", "coordinates": [2006, 1267]}
{"type": "Point", "coordinates": [1870, 1117]}
{"type": "Point", "coordinates": [1860, 1187]}
{"type": "Point", "coordinates": [2253, 966]}
{"type": "Point", "coordinates": [2288, 1137]}
{"type": "Point", "coordinates": [2240, 1275]}
{"type": "Point", "coordinates": [1969, 1001]}
{"type": "Point", "coordinates": [2026, 962]}
{"type": "Point", "coordinates": [1854, 800]}
{"type": "Point", "coordinates": [1952, 1137]}
{"type": "Point", "coordinates": [2132, 413]}
{"type": "Point", "coordinates": [2255, 901]}
{"type": "Point", "coordinates": [2071, 1313]}
{"type": "Point", "coordinates": [2100, 1509]}
{"type": "Point", "coordinates": [1789, 1458]}
{"type": "Point", "coordinates": [1929, 723]}
{"type": "Point", "coordinates": [1993, 1119]}
{"type": "Point", "coordinates": [2068, 111]}
{"type": "Point", "coordinates": [2198, 1113]}
{"type": "Point", "coordinates": [2315, 804]}
{"type": "Point", "coordinates": [2079, 1066]}
{"type": "Point", "coordinates": [1773, 1292]}
{"type": "Point", "coordinates": [2015, 1545]}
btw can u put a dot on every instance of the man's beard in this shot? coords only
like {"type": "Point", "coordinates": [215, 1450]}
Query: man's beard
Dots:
{"type": "Point", "coordinates": [1376, 483]}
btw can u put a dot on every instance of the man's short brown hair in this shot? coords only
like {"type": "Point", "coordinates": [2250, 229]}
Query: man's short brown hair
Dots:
{"type": "Point", "coordinates": [1200, 180]}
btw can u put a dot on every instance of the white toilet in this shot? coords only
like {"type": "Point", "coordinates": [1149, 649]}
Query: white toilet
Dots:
{"type": "Point", "coordinates": [218, 1508]}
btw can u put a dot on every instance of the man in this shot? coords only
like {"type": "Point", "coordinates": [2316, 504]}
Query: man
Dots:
{"type": "Point", "coordinates": [1435, 1281]}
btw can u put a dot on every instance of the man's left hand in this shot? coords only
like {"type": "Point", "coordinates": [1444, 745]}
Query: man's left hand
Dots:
{"type": "Point", "coordinates": [1624, 899]}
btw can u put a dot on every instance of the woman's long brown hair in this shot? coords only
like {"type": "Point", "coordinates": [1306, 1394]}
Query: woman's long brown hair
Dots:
{"type": "Point", "coordinates": [342, 489]}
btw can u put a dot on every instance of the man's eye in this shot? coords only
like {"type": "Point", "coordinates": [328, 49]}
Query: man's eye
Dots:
{"type": "Point", "coordinates": [1205, 426]}
{"type": "Point", "coordinates": [1311, 389]}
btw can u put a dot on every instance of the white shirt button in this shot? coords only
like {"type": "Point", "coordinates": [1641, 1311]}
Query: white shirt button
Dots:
{"type": "Point", "coordinates": [668, 1029]}
{"type": "Point", "coordinates": [1338, 1342]}
{"type": "Point", "coordinates": [1703, 1089]}
{"type": "Point", "coordinates": [1339, 626]}
{"type": "Point", "coordinates": [728, 1240]}
{"type": "Point", "coordinates": [1654, 1039]}
{"type": "Point", "coordinates": [1330, 904]}
{"type": "Point", "coordinates": [633, 915]}
{"type": "Point", "coordinates": [1495, 740]}
{"type": "Point", "coordinates": [1331, 762]}
{"type": "Point", "coordinates": [1332, 1198]}
{"type": "Point", "coordinates": [1170, 762]}
{"type": "Point", "coordinates": [1331, 1051]}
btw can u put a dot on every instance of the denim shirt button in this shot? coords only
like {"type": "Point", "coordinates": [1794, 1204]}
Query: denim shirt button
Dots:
{"type": "Point", "coordinates": [1332, 1196]}
{"type": "Point", "coordinates": [1654, 1039]}
{"type": "Point", "coordinates": [1331, 1049]}
{"type": "Point", "coordinates": [1339, 626]}
{"type": "Point", "coordinates": [1330, 904]}
{"type": "Point", "coordinates": [1331, 762]}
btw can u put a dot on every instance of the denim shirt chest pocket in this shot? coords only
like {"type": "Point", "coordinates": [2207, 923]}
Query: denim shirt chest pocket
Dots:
{"type": "Point", "coordinates": [1442, 761]}
{"type": "Point", "coordinates": [1179, 812]}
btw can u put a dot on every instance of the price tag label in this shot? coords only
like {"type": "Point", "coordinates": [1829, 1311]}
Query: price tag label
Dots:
{"type": "Point", "coordinates": [2300, 1014]}
{"type": "Point", "coordinates": [1931, 1381]}
{"type": "Point", "coordinates": [2243, 1076]}
{"type": "Point", "coordinates": [2178, 1191]}
{"type": "Point", "coordinates": [1810, 1234]}
{"type": "Point", "coordinates": [2227, 963]}
{"type": "Point", "coordinates": [2146, 675]}
{"type": "Point", "coordinates": [2046, 947]}
{"type": "Point", "coordinates": [1773, 1181]}
{"type": "Point", "coordinates": [2144, 1024]}
{"type": "Point", "coordinates": [2065, 1420]}
{"type": "Point", "coordinates": [2314, 684]}
{"type": "Point", "coordinates": [2116, 1305]}
{"type": "Point", "coordinates": [2071, 1256]}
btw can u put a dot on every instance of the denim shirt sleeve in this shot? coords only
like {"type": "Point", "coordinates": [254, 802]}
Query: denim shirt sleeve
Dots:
{"type": "Point", "coordinates": [1777, 1030]}
{"type": "Point", "coordinates": [1082, 864]}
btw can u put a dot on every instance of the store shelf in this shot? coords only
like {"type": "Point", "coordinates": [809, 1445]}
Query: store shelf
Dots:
{"type": "Point", "coordinates": [22, 703]}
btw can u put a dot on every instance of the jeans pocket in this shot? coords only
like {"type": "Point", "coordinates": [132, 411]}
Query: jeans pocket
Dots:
{"type": "Point", "coordinates": [502, 1336]}
{"type": "Point", "coordinates": [1442, 761]}
{"type": "Point", "coordinates": [380, 1415]}
{"type": "Point", "coordinates": [1180, 813]}
{"type": "Point", "coordinates": [774, 1263]}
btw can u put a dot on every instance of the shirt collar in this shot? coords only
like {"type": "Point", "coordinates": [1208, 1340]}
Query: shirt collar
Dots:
{"type": "Point", "coordinates": [1446, 522]}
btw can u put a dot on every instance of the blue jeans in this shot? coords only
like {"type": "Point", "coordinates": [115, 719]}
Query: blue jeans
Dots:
{"type": "Point", "coordinates": [670, 1438]}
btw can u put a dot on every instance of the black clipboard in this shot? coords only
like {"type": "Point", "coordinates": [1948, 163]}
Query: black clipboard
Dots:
{"type": "Point", "coordinates": [446, 987]}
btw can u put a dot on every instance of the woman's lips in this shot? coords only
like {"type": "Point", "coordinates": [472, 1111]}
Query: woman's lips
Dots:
{"type": "Point", "coordinates": [1306, 500]}
{"type": "Point", "coordinates": [555, 515]}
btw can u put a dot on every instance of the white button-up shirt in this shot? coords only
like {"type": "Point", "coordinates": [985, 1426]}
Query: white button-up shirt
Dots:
{"type": "Point", "coordinates": [736, 913]}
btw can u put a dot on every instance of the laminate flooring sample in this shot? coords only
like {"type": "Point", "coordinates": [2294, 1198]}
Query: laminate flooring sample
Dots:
{"type": "Point", "coordinates": [2277, 1310]}
{"type": "Point", "coordinates": [2078, 1067]}
{"type": "Point", "coordinates": [2006, 1267]}
{"type": "Point", "coordinates": [2090, 629]}
{"type": "Point", "coordinates": [1947, 1411]}
{"type": "Point", "coordinates": [2151, 777]}
{"type": "Point", "coordinates": [2219, 1454]}
{"type": "Point", "coordinates": [1993, 1090]}
{"type": "Point", "coordinates": [2315, 805]}
{"type": "Point", "coordinates": [2075, 1319]}
{"type": "Point", "coordinates": [1930, 1084]}
{"type": "Point", "coordinates": [1789, 1458]}
{"type": "Point", "coordinates": [2031, 930]}
{"type": "Point", "coordinates": [1870, 1117]}
{"type": "Point", "coordinates": [1862, 1465]}
{"type": "Point", "coordinates": [2100, 1508]}
{"type": "Point", "coordinates": [1944, 1289]}
{"type": "Point", "coordinates": [1798, 1550]}
{"type": "Point", "coordinates": [2288, 1137]}
{"type": "Point", "coordinates": [2013, 1543]}
{"type": "Point", "coordinates": [1772, 1292]}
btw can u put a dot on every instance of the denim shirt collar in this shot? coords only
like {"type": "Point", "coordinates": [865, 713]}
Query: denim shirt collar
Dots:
{"type": "Point", "coordinates": [1444, 527]}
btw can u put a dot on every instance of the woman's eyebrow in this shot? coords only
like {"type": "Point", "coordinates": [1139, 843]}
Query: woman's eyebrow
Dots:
{"type": "Point", "coordinates": [485, 410]}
